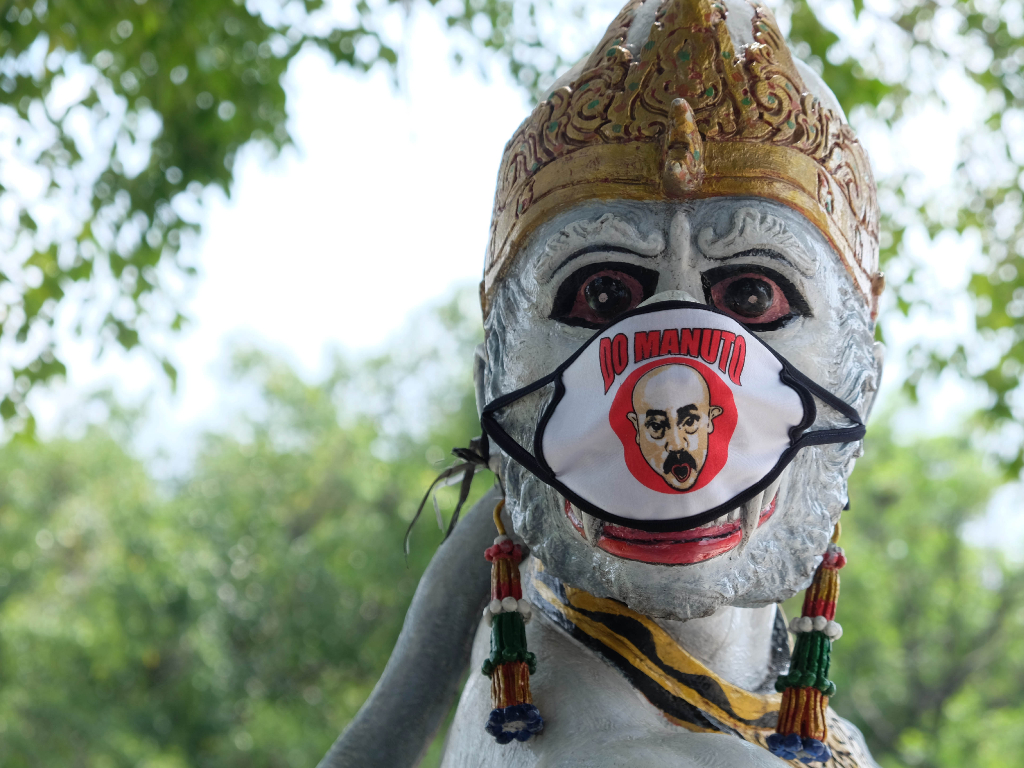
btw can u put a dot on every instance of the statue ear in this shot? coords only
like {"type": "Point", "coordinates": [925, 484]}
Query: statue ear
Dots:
{"type": "Point", "coordinates": [479, 372]}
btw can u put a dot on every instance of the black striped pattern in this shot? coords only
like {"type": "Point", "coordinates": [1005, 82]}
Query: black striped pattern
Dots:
{"type": "Point", "coordinates": [689, 694]}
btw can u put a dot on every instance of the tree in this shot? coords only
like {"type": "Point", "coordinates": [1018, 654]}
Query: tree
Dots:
{"type": "Point", "coordinates": [120, 113]}
{"type": "Point", "coordinates": [931, 662]}
{"type": "Point", "coordinates": [239, 618]}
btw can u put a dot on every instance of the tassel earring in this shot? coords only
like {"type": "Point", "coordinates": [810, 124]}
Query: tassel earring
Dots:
{"type": "Point", "coordinates": [510, 665]}
{"type": "Point", "coordinates": [801, 731]}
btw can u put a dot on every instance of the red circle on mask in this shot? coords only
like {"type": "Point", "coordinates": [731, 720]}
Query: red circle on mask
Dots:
{"type": "Point", "coordinates": [718, 439]}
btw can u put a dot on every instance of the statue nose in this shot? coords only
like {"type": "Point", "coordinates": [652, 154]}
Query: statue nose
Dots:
{"type": "Point", "coordinates": [670, 296]}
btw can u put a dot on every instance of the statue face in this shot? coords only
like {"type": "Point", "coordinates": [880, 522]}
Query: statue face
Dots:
{"type": "Point", "coordinates": [757, 260]}
{"type": "Point", "coordinates": [673, 416]}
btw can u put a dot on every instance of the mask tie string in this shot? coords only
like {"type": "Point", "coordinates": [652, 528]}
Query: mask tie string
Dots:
{"type": "Point", "coordinates": [474, 458]}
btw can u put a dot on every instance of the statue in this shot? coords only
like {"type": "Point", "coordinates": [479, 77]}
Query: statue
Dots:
{"type": "Point", "coordinates": [679, 301]}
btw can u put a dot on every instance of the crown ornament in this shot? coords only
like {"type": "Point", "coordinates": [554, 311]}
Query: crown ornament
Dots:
{"type": "Point", "coordinates": [687, 117]}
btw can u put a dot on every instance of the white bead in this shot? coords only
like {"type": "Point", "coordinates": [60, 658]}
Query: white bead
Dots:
{"type": "Point", "coordinates": [488, 616]}
{"type": "Point", "coordinates": [820, 622]}
{"type": "Point", "coordinates": [805, 624]}
{"type": "Point", "coordinates": [834, 631]}
{"type": "Point", "coordinates": [500, 539]}
{"type": "Point", "coordinates": [525, 608]}
{"type": "Point", "coordinates": [494, 607]}
{"type": "Point", "coordinates": [509, 604]}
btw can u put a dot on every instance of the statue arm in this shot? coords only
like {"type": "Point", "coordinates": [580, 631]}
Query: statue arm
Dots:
{"type": "Point", "coordinates": [396, 724]}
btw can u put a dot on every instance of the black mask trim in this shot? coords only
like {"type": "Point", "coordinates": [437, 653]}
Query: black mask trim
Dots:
{"type": "Point", "coordinates": [806, 389]}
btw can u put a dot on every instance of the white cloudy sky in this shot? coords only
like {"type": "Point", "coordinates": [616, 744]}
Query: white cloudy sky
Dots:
{"type": "Point", "coordinates": [382, 207]}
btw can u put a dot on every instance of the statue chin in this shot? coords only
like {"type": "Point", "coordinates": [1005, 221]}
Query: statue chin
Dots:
{"type": "Point", "coordinates": [774, 564]}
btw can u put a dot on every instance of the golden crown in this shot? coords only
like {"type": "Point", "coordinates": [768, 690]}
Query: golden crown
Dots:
{"type": "Point", "coordinates": [688, 117]}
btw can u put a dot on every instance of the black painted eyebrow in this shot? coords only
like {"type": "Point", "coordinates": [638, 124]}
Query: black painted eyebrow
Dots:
{"type": "Point", "coordinates": [763, 252]}
{"type": "Point", "coordinates": [598, 248]}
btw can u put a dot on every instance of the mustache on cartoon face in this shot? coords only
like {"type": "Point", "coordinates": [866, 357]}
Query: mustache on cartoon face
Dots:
{"type": "Point", "coordinates": [680, 464]}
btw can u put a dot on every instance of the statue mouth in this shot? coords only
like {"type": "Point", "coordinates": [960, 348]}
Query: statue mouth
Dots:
{"type": "Point", "coordinates": [671, 548]}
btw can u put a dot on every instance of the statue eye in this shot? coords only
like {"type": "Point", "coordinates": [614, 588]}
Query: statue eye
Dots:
{"type": "Point", "coordinates": [611, 293]}
{"type": "Point", "coordinates": [596, 294]}
{"type": "Point", "coordinates": [748, 295]}
{"type": "Point", "coordinates": [754, 295]}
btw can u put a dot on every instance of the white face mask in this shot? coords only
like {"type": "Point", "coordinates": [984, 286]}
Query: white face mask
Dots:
{"type": "Point", "coordinates": [669, 417]}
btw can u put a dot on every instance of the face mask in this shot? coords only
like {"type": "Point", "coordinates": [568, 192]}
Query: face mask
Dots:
{"type": "Point", "coordinates": [670, 417]}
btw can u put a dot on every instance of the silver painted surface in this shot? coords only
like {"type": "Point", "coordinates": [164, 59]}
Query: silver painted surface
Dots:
{"type": "Point", "coordinates": [718, 610]}
{"type": "Point", "coordinates": [593, 717]}
{"type": "Point", "coordinates": [833, 345]}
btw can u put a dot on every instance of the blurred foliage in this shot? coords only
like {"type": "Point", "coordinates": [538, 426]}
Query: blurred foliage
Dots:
{"type": "Point", "coordinates": [241, 616]}
{"type": "Point", "coordinates": [239, 619]}
{"type": "Point", "coordinates": [931, 662]}
{"type": "Point", "coordinates": [116, 115]}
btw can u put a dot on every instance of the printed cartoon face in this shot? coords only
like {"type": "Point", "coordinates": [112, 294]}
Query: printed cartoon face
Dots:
{"type": "Point", "coordinates": [673, 417]}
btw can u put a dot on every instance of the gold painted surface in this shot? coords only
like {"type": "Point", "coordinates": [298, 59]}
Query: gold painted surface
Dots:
{"type": "Point", "coordinates": [688, 118]}
{"type": "Point", "coordinates": [687, 726]}
{"type": "Point", "coordinates": [745, 704]}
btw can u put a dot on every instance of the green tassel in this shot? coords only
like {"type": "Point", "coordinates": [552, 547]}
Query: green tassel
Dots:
{"type": "Point", "coordinates": [508, 643]}
{"type": "Point", "coordinates": [810, 664]}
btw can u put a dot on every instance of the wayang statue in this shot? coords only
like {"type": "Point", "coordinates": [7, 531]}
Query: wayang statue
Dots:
{"type": "Point", "coordinates": [679, 301]}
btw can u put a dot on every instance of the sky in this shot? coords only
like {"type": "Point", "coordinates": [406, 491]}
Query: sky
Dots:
{"type": "Point", "coordinates": [382, 206]}
{"type": "Point", "coordinates": [334, 244]}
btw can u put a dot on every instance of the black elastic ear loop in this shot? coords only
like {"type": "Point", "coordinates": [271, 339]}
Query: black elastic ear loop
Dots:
{"type": "Point", "coordinates": [504, 440]}
{"type": "Point", "coordinates": [833, 434]}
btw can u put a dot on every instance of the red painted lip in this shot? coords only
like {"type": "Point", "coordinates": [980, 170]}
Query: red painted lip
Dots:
{"type": "Point", "coordinates": [673, 548]}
